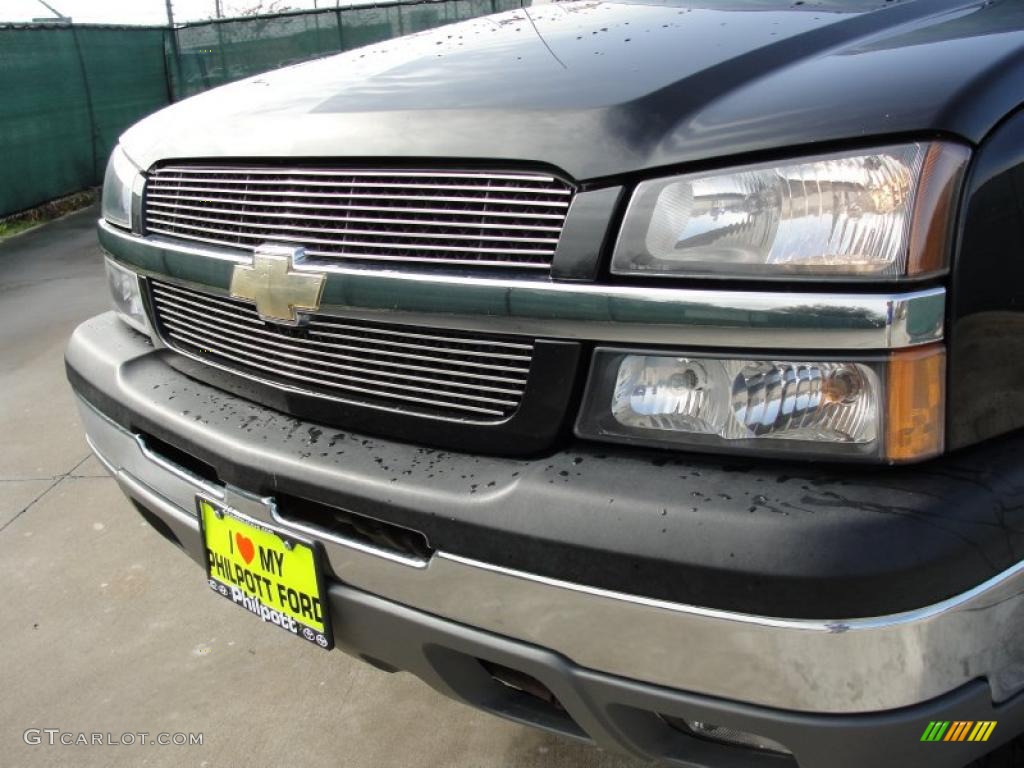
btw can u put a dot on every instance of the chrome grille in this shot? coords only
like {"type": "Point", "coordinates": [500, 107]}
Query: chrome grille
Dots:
{"type": "Point", "coordinates": [441, 372]}
{"type": "Point", "coordinates": [467, 218]}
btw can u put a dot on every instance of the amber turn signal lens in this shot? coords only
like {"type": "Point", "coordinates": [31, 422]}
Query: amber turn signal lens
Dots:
{"type": "Point", "coordinates": [916, 413]}
{"type": "Point", "coordinates": [934, 211]}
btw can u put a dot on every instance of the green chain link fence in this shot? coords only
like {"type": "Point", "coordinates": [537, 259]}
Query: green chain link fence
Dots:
{"type": "Point", "coordinates": [67, 92]}
{"type": "Point", "coordinates": [211, 53]}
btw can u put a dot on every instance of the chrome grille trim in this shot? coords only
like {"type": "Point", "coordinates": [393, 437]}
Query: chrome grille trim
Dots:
{"type": "Point", "coordinates": [521, 306]}
{"type": "Point", "coordinates": [364, 196]}
{"type": "Point", "coordinates": [200, 169]}
{"type": "Point", "coordinates": [472, 219]}
{"type": "Point", "coordinates": [337, 231]}
{"type": "Point", "coordinates": [366, 185]}
{"type": "Point", "coordinates": [356, 219]}
{"type": "Point", "coordinates": [325, 206]}
{"type": "Point", "coordinates": [350, 243]}
{"type": "Point", "coordinates": [462, 376]}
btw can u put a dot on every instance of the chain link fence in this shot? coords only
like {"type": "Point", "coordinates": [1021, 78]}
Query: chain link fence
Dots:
{"type": "Point", "coordinates": [208, 54]}
{"type": "Point", "coordinates": [69, 91]}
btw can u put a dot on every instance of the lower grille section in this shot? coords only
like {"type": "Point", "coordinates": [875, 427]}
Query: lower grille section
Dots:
{"type": "Point", "coordinates": [444, 373]}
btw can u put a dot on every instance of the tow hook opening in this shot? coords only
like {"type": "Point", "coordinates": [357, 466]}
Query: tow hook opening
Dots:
{"type": "Point", "coordinates": [352, 526]}
{"type": "Point", "coordinates": [719, 734]}
{"type": "Point", "coordinates": [184, 460]}
{"type": "Point", "coordinates": [523, 697]}
{"type": "Point", "coordinates": [522, 682]}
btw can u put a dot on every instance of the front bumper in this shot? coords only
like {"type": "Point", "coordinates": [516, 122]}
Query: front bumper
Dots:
{"type": "Point", "coordinates": [610, 657]}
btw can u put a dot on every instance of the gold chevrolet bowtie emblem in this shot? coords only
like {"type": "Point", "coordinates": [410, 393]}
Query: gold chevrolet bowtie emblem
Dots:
{"type": "Point", "coordinates": [274, 284]}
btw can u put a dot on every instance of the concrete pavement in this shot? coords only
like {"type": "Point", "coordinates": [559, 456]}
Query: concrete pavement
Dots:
{"type": "Point", "coordinates": [107, 628]}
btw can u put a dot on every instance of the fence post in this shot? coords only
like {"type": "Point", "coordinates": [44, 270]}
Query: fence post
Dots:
{"type": "Point", "coordinates": [93, 128]}
{"type": "Point", "coordinates": [175, 75]}
{"type": "Point", "coordinates": [220, 50]}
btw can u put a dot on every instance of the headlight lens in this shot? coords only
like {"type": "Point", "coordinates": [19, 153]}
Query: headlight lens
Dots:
{"type": "Point", "coordinates": [121, 178]}
{"type": "Point", "coordinates": [737, 399]}
{"type": "Point", "coordinates": [127, 296]}
{"type": "Point", "coordinates": [886, 409]}
{"type": "Point", "coordinates": [849, 215]}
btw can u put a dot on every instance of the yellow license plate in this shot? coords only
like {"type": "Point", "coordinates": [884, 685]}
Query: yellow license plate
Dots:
{"type": "Point", "coordinates": [268, 573]}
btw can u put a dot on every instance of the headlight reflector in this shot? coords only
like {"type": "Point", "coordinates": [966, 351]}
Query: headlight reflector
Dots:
{"type": "Point", "coordinates": [127, 296]}
{"type": "Point", "coordinates": [847, 215]}
{"type": "Point", "coordinates": [742, 399]}
{"type": "Point", "coordinates": [119, 182]}
{"type": "Point", "coordinates": [887, 409]}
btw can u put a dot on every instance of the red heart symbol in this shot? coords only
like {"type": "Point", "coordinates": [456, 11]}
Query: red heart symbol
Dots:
{"type": "Point", "coordinates": [245, 547]}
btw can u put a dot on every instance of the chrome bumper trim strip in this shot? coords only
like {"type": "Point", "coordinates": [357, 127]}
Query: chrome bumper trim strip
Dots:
{"type": "Point", "coordinates": [576, 311]}
{"type": "Point", "coordinates": [839, 666]}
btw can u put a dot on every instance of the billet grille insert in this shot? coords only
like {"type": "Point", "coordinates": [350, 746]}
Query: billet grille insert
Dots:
{"type": "Point", "coordinates": [466, 218]}
{"type": "Point", "coordinates": [435, 371]}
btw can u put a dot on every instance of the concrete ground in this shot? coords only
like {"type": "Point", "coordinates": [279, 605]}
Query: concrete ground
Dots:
{"type": "Point", "coordinates": [107, 628]}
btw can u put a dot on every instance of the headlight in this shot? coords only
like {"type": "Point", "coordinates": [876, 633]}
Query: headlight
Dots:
{"type": "Point", "coordinates": [882, 213]}
{"type": "Point", "coordinates": [127, 296]}
{"type": "Point", "coordinates": [119, 182]}
{"type": "Point", "coordinates": [886, 409]}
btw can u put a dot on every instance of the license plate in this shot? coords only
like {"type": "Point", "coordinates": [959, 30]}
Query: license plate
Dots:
{"type": "Point", "coordinates": [268, 573]}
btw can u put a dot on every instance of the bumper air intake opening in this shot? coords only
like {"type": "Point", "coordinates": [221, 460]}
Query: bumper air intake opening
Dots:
{"type": "Point", "coordinates": [350, 526]}
{"type": "Point", "coordinates": [718, 734]}
{"type": "Point", "coordinates": [500, 689]}
{"type": "Point", "coordinates": [525, 698]}
{"type": "Point", "coordinates": [181, 459]}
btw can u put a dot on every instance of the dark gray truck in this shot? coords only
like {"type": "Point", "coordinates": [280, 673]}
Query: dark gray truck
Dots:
{"type": "Point", "coordinates": [651, 373]}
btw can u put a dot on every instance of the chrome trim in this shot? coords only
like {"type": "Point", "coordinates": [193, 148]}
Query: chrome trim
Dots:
{"type": "Point", "coordinates": [179, 200]}
{"type": "Point", "coordinates": [241, 339]}
{"type": "Point", "coordinates": [262, 510]}
{"type": "Point", "coordinates": [840, 666]}
{"type": "Point", "coordinates": [319, 323]}
{"type": "Point", "coordinates": [378, 208]}
{"type": "Point", "coordinates": [171, 512]}
{"type": "Point", "coordinates": [377, 257]}
{"type": "Point", "coordinates": [258, 238]}
{"type": "Point", "coordinates": [577, 311]}
{"type": "Point", "coordinates": [319, 534]}
{"type": "Point", "coordinates": [209, 488]}
{"type": "Point", "coordinates": [184, 313]}
{"type": "Point", "coordinates": [469, 416]}
{"type": "Point", "coordinates": [346, 231]}
{"type": "Point", "coordinates": [225, 332]}
{"type": "Point", "coordinates": [361, 196]}
{"type": "Point", "coordinates": [357, 219]}
{"type": "Point", "coordinates": [252, 359]}
{"type": "Point", "coordinates": [363, 185]}
{"type": "Point", "coordinates": [381, 173]}
{"type": "Point", "coordinates": [181, 296]}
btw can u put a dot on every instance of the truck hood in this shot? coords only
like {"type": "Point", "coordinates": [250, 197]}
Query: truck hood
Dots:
{"type": "Point", "coordinates": [601, 89]}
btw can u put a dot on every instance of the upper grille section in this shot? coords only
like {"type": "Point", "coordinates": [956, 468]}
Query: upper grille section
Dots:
{"type": "Point", "coordinates": [439, 372]}
{"type": "Point", "coordinates": [467, 218]}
